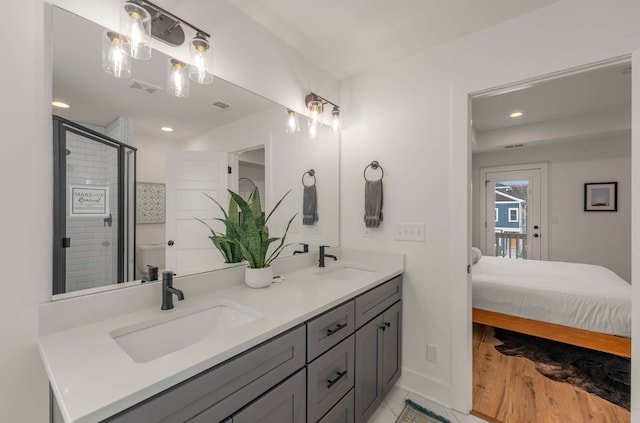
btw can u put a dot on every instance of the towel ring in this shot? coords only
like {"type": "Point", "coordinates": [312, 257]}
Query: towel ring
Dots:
{"type": "Point", "coordinates": [373, 165]}
{"type": "Point", "coordinates": [311, 173]}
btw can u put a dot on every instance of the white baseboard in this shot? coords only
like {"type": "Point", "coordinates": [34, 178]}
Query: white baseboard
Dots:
{"type": "Point", "coordinates": [425, 386]}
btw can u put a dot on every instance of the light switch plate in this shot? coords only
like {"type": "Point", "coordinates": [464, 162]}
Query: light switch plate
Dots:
{"type": "Point", "coordinates": [409, 231]}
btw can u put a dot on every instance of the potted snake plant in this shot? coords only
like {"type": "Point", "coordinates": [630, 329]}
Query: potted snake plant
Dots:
{"type": "Point", "coordinates": [251, 234]}
{"type": "Point", "coordinates": [225, 243]}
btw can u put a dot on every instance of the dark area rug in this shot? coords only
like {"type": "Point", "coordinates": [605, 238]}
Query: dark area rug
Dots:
{"type": "Point", "coordinates": [605, 375]}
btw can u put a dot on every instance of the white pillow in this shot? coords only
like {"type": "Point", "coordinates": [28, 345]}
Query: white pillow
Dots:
{"type": "Point", "coordinates": [476, 254]}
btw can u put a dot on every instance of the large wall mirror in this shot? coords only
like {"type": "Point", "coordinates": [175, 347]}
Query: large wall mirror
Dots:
{"type": "Point", "coordinates": [216, 126]}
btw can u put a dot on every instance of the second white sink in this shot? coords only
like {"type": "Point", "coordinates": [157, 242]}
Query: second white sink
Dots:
{"type": "Point", "coordinates": [153, 339]}
{"type": "Point", "coordinates": [345, 272]}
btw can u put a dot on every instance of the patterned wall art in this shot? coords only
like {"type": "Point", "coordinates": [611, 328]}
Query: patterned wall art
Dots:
{"type": "Point", "coordinates": [150, 202]}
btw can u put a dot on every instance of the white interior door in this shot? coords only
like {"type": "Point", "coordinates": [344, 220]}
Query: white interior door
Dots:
{"type": "Point", "coordinates": [515, 212]}
{"type": "Point", "coordinates": [190, 174]}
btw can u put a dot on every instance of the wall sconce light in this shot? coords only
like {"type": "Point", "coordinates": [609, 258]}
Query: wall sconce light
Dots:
{"type": "Point", "coordinates": [293, 124]}
{"type": "Point", "coordinates": [114, 60]}
{"type": "Point", "coordinates": [141, 20]}
{"type": "Point", "coordinates": [315, 105]}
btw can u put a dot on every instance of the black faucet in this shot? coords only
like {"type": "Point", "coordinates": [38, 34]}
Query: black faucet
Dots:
{"type": "Point", "coordinates": [305, 249]}
{"type": "Point", "coordinates": [323, 255]}
{"type": "Point", "coordinates": [168, 291]}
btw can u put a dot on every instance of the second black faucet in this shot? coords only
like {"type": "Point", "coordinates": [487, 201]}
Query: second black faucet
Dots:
{"type": "Point", "coordinates": [323, 256]}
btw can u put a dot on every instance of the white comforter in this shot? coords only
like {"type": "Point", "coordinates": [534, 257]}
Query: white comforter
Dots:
{"type": "Point", "coordinates": [582, 296]}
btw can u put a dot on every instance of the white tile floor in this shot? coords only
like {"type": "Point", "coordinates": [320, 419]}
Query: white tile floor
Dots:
{"type": "Point", "coordinates": [393, 404]}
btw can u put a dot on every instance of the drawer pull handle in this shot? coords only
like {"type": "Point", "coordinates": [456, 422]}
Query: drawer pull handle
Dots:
{"type": "Point", "coordinates": [339, 376]}
{"type": "Point", "coordinates": [336, 329]}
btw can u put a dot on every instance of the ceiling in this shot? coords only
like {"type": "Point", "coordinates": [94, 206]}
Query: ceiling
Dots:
{"type": "Point", "coordinates": [589, 104]}
{"type": "Point", "coordinates": [585, 93]}
{"type": "Point", "coordinates": [349, 37]}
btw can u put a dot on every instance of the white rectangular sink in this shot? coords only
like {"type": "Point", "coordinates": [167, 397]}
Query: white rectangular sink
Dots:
{"type": "Point", "coordinates": [345, 272]}
{"type": "Point", "coordinates": [150, 340]}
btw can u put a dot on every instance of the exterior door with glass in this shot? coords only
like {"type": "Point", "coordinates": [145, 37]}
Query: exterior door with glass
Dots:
{"type": "Point", "coordinates": [514, 212]}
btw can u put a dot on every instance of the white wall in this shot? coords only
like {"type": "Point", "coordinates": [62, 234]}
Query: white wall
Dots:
{"type": "Point", "coordinates": [151, 164]}
{"type": "Point", "coordinates": [287, 157]}
{"type": "Point", "coordinates": [26, 212]}
{"type": "Point", "coordinates": [578, 236]}
{"type": "Point", "coordinates": [412, 117]}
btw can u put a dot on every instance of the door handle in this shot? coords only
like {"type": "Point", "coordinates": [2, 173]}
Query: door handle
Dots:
{"type": "Point", "coordinates": [536, 227]}
{"type": "Point", "coordinates": [536, 235]}
{"type": "Point", "coordinates": [170, 243]}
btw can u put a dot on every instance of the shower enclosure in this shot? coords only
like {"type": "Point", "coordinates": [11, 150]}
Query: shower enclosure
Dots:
{"type": "Point", "coordinates": [94, 208]}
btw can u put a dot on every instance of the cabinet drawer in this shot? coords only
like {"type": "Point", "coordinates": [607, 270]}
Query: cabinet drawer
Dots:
{"type": "Point", "coordinates": [327, 330]}
{"type": "Point", "coordinates": [342, 412]}
{"type": "Point", "coordinates": [375, 301]}
{"type": "Point", "coordinates": [329, 378]}
{"type": "Point", "coordinates": [218, 392]}
{"type": "Point", "coordinates": [283, 404]}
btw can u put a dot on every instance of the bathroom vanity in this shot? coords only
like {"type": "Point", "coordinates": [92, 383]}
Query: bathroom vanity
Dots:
{"type": "Point", "coordinates": [322, 346]}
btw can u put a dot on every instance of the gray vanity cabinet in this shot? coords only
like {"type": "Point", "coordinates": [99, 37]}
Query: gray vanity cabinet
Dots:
{"type": "Point", "coordinates": [217, 393]}
{"type": "Point", "coordinates": [342, 412]}
{"type": "Point", "coordinates": [284, 404]}
{"type": "Point", "coordinates": [378, 360]}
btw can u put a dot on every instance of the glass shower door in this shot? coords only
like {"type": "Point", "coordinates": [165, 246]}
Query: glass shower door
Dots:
{"type": "Point", "coordinates": [94, 215]}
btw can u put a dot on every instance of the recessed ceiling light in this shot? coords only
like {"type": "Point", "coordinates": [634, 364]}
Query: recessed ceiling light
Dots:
{"type": "Point", "coordinates": [166, 129]}
{"type": "Point", "coordinates": [516, 114]}
{"type": "Point", "coordinates": [60, 104]}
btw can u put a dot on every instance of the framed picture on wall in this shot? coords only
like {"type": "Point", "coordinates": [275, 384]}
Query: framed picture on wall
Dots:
{"type": "Point", "coordinates": [601, 196]}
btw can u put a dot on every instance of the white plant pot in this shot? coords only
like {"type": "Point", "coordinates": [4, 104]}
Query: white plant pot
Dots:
{"type": "Point", "coordinates": [258, 278]}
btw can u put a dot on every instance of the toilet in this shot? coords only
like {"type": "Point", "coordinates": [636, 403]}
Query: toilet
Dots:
{"type": "Point", "coordinates": [149, 255]}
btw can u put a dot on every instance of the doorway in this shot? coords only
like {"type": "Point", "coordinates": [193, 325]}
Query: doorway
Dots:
{"type": "Point", "coordinates": [570, 149]}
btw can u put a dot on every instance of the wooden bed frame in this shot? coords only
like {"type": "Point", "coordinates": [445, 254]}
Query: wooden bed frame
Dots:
{"type": "Point", "coordinates": [611, 344]}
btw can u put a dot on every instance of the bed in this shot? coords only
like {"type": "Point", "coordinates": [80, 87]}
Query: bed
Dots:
{"type": "Point", "coordinates": [579, 304]}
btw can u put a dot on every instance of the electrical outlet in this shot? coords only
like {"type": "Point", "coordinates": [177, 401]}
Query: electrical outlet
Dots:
{"type": "Point", "coordinates": [432, 353]}
{"type": "Point", "coordinates": [409, 231]}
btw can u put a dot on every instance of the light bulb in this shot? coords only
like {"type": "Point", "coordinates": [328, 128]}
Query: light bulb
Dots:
{"type": "Point", "coordinates": [135, 24]}
{"type": "Point", "coordinates": [292, 122]}
{"type": "Point", "coordinates": [178, 82]}
{"type": "Point", "coordinates": [313, 129]}
{"type": "Point", "coordinates": [200, 70]}
{"type": "Point", "coordinates": [335, 123]}
{"type": "Point", "coordinates": [114, 61]}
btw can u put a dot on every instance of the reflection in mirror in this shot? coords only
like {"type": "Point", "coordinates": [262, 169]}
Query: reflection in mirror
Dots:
{"type": "Point", "coordinates": [225, 124]}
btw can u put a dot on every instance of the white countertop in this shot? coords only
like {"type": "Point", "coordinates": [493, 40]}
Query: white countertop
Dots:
{"type": "Point", "coordinates": [93, 378]}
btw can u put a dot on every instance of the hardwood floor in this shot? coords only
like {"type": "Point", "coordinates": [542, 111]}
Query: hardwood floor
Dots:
{"type": "Point", "coordinates": [510, 390]}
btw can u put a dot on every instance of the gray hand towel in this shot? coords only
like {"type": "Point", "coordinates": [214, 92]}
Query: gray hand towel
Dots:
{"type": "Point", "coordinates": [372, 203]}
{"type": "Point", "coordinates": [309, 205]}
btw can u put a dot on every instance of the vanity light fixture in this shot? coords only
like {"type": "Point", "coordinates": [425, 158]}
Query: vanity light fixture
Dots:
{"type": "Point", "coordinates": [177, 79]}
{"type": "Point", "coordinates": [201, 60]}
{"type": "Point", "coordinates": [516, 114]}
{"type": "Point", "coordinates": [135, 25]}
{"type": "Point", "coordinates": [115, 61]}
{"type": "Point", "coordinates": [315, 105]}
{"type": "Point", "coordinates": [141, 20]}
{"type": "Point", "coordinates": [293, 124]}
{"type": "Point", "coordinates": [60, 104]}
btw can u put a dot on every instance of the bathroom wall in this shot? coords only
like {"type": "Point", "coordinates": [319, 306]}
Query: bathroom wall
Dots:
{"type": "Point", "coordinates": [575, 235]}
{"type": "Point", "coordinates": [411, 116]}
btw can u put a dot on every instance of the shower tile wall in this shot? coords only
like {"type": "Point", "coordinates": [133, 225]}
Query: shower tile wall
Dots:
{"type": "Point", "coordinates": [92, 262]}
